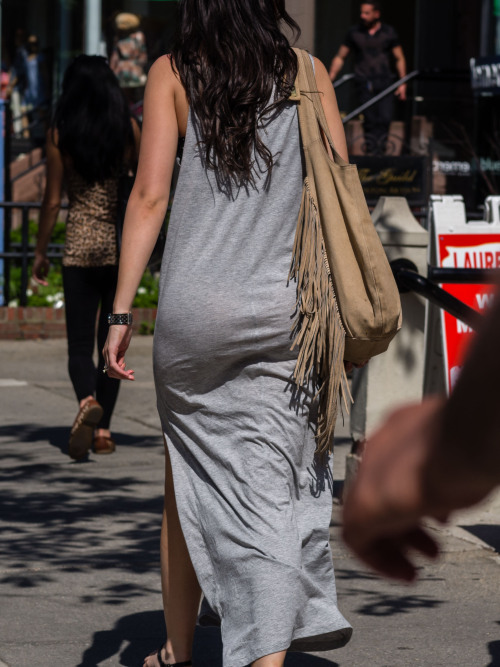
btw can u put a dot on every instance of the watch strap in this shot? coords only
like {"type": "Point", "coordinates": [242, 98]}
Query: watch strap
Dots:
{"type": "Point", "coordinates": [120, 318]}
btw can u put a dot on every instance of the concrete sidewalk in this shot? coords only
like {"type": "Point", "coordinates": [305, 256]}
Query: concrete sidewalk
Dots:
{"type": "Point", "coordinates": [79, 561]}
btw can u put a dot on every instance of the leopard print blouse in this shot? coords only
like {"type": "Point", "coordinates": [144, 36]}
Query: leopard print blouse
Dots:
{"type": "Point", "coordinates": [91, 223]}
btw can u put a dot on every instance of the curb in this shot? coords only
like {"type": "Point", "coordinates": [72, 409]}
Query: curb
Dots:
{"type": "Point", "coordinates": [31, 323]}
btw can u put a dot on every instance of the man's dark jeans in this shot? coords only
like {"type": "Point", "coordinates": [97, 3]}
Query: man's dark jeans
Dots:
{"type": "Point", "coordinates": [377, 119]}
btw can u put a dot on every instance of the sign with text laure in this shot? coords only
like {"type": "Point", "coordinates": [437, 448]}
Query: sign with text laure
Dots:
{"type": "Point", "coordinates": [404, 176]}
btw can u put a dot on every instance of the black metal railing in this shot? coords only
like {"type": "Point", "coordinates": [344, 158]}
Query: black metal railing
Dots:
{"type": "Point", "coordinates": [33, 119]}
{"type": "Point", "coordinates": [409, 280]}
{"type": "Point", "coordinates": [380, 146]}
{"type": "Point", "coordinates": [21, 252]}
{"type": "Point", "coordinates": [24, 251]}
{"type": "Point", "coordinates": [338, 83]}
{"type": "Point", "coordinates": [380, 96]}
{"type": "Point", "coordinates": [434, 74]}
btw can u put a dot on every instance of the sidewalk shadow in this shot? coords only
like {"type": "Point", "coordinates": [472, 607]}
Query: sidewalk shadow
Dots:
{"type": "Point", "coordinates": [143, 632]}
{"type": "Point", "coordinates": [58, 436]}
{"type": "Point", "coordinates": [378, 602]}
{"type": "Point", "coordinates": [488, 533]}
{"type": "Point", "coordinates": [494, 649]}
{"type": "Point", "coordinates": [48, 511]}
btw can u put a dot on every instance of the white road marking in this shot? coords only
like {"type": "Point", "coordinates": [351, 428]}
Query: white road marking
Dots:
{"type": "Point", "coordinates": [12, 383]}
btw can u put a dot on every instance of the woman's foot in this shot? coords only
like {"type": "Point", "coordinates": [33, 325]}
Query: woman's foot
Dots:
{"type": "Point", "coordinates": [160, 658]}
{"type": "Point", "coordinates": [82, 431]}
{"type": "Point", "coordinates": [103, 442]}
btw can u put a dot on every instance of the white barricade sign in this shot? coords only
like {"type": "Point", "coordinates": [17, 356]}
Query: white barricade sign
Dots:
{"type": "Point", "coordinates": [457, 243]}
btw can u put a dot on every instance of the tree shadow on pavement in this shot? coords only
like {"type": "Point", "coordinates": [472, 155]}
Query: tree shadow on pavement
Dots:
{"type": "Point", "coordinates": [58, 436]}
{"type": "Point", "coordinates": [58, 514]}
{"type": "Point", "coordinates": [144, 632]}
{"type": "Point", "coordinates": [379, 602]}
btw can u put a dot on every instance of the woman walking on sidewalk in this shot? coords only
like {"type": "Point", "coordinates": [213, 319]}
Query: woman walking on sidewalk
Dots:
{"type": "Point", "coordinates": [91, 142]}
{"type": "Point", "coordinates": [247, 502]}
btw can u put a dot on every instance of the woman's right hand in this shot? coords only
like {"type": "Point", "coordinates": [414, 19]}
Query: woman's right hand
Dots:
{"type": "Point", "coordinates": [40, 268]}
{"type": "Point", "coordinates": [116, 345]}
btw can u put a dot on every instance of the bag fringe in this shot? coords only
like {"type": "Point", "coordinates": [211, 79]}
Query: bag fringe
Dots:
{"type": "Point", "coordinates": [317, 330]}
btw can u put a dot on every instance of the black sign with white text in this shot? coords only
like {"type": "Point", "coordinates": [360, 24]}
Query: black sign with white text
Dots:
{"type": "Point", "coordinates": [406, 176]}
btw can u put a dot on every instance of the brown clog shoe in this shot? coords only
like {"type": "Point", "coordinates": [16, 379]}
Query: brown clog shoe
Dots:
{"type": "Point", "coordinates": [104, 445]}
{"type": "Point", "coordinates": [82, 432]}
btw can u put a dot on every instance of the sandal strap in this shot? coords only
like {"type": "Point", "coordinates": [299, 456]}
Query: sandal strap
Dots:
{"type": "Point", "coordinates": [187, 663]}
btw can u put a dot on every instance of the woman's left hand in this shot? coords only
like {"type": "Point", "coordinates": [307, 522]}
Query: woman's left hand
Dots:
{"type": "Point", "coordinates": [40, 269]}
{"type": "Point", "coordinates": [116, 345]}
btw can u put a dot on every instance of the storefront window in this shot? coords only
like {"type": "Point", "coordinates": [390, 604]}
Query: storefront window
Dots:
{"type": "Point", "coordinates": [59, 26]}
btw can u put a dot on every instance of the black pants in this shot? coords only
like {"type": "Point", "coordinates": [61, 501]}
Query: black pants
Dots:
{"type": "Point", "coordinates": [85, 289]}
{"type": "Point", "coordinates": [378, 117]}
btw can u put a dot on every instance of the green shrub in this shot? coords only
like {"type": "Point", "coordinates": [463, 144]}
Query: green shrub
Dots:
{"type": "Point", "coordinates": [146, 328]}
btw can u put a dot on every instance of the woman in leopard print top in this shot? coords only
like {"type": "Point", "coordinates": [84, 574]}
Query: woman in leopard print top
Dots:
{"type": "Point", "coordinates": [91, 142]}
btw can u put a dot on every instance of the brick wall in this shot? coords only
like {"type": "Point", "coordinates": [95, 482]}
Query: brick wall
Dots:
{"type": "Point", "coordinates": [32, 323]}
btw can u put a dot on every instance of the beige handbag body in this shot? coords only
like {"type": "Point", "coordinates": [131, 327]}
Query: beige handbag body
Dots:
{"type": "Point", "coordinates": [348, 302]}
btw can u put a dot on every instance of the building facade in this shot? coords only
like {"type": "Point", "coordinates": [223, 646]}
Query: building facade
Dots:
{"type": "Point", "coordinates": [439, 40]}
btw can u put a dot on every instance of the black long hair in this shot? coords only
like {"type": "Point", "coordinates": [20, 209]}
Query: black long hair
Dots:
{"type": "Point", "coordinates": [230, 56]}
{"type": "Point", "coordinates": [92, 119]}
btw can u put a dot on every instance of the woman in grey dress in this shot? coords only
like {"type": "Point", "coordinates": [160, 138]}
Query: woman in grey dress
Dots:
{"type": "Point", "coordinates": [247, 502]}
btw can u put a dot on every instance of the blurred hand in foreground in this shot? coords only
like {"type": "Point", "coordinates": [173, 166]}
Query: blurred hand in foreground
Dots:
{"type": "Point", "coordinates": [407, 474]}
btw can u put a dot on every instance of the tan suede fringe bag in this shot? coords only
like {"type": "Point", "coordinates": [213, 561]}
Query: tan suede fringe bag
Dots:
{"type": "Point", "coordinates": [348, 305]}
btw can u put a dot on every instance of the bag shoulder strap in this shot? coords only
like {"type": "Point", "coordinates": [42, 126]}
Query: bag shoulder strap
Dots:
{"type": "Point", "coordinates": [311, 113]}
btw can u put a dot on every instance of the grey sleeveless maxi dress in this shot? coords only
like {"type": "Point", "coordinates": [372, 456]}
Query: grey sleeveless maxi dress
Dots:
{"type": "Point", "coordinates": [254, 503]}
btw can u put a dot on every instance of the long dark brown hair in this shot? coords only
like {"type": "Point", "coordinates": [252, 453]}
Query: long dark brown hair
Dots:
{"type": "Point", "coordinates": [231, 55]}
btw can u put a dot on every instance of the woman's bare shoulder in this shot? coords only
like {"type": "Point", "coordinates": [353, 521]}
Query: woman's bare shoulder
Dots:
{"type": "Point", "coordinates": [320, 71]}
{"type": "Point", "coordinates": [165, 90]}
{"type": "Point", "coordinates": [163, 72]}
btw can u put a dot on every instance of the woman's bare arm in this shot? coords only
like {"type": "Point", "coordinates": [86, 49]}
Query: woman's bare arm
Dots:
{"type": "Point", "coordinates": [50, 207]}
{"type": "Point", "coordinates": [331, 108]}
{"type": "Point", "coordinates": [150, 195]}
{"type": "Point", "coordinates": [164, 103]}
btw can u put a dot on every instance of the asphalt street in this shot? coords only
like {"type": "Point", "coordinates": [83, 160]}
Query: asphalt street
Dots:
{"type": "Point", "coordinates": [79, 549]}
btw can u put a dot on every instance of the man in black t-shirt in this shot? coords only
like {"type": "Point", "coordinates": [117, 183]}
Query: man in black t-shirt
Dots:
{"type": "Point", "coordinates": [379, 58]}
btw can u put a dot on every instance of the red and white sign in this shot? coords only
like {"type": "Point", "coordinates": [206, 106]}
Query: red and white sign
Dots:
{"type": "Point", "coordinates": [479, 250]}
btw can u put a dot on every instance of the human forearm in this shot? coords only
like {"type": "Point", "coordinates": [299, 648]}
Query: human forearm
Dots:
{"type": "Point", "coordinates": [428, 459]}
{"type": "Point", "coordinates": [401, 67]}
{"type": "Point", "coordinates": [51, 202]}
{"type": "Point", "coordinates": [48, 218]}
{"type": "Point", "coordinates": [335, 67]}
{"type": "Point", "coordinates": [142, 224]}
{"type": "Point", "coordinates": [400, 64]}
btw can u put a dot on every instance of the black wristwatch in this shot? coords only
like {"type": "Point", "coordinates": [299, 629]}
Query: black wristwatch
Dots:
{"type": "Point", "coordinates": [120, 318]}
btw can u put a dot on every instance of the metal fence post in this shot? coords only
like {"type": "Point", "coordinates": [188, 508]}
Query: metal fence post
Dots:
{"type": "Point", "coordinates": [25, 248]}
{"type": "Point", "coordinates": [3, 139]}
